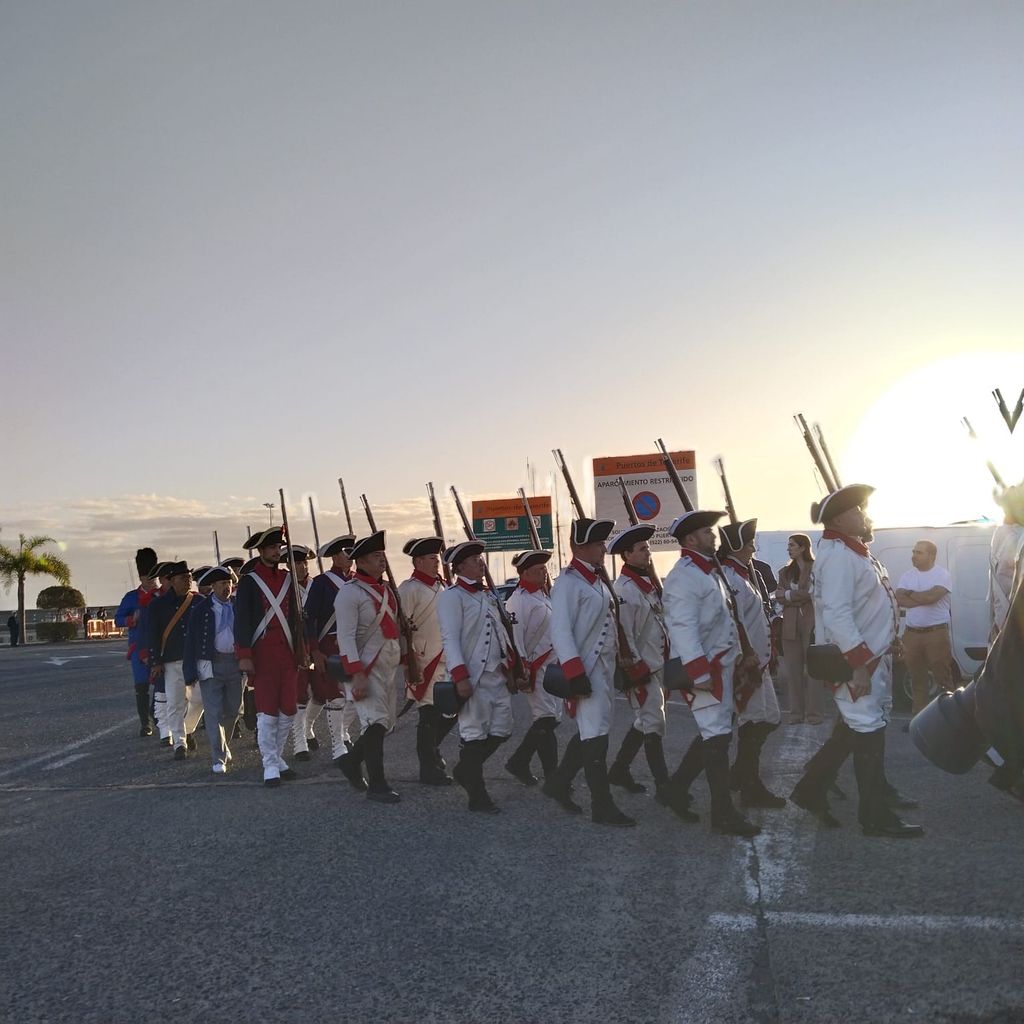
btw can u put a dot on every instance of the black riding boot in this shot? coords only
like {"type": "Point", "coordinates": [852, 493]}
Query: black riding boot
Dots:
{"type": "Point", "coordinates": [876, 817]}
{"type": "Point", "coordinates": [547, 746]}
{"type": "Point", "coordinates": [595, 766]}
{"type": "Point", "coordinates": [811, 792]}
{"type": "Point", "coordinates": [426, 748]}
{"type": "Point", "coordinates": [442, 726]}
{"type": "Point", "coordinates": [373, 749]}
{"type": "Point", "coordinates": [469, 773]}
{"type": "Point", "coordinates": [724, 816]}
{"type": "Point", "coordinates": [664, 791]}
{"type": "Point", "coordinates": [619, 773]}
{"type": "Point", "coordinates": [518, 765]}
{"type": "Point", "coordinates": [558, 785]}
{"type": "Point", "coordinates": [142, 707]}
{"type": "Point", "coordinates": [351, 763]}
{"type": "Point", "coordinates": [684, 776]}
{"type": "Point", "coordinates": [753, 792]}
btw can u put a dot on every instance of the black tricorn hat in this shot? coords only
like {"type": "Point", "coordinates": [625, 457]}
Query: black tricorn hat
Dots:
{"type": "Point", "coordinates": [625, 539]}
{"type": "Point", "coordinates": [838, 502]}
{"type": "Point", "coordinates": [300, 553]}
{"type": "Point", "coordinates": [214, 574]}
{"type": "Point", "coordinates": [145, 563]}
{"type": "Point", "coordinates": [423, 546]}
{"type": "Point", "coordinates": [177, 569]}
{"type": "Point", "coordinates": [589, 531]}
{"type": "Point", "coordinates": [248, 567]}
{"type": "Point", "coordinates": [735, 535]}
{"type": "Point", "coordinates": [528, 559]}
{"type": "Point", "coordinates": [234, 562]}
{"type": "Point", "coordinates": [337, 546]}
{"type": "Point", "coordinates": [263, 538]}
{"type": "Point", "coordinates": [367, 545]}
{"type": "Point", "coordinates": [159, 571]}
{"type": "Point", "coordinates": [458, 552]}
{"type": "Point", "coordinates": [196, 573]}
{"type": "Point", "coordinates": [690, 522]}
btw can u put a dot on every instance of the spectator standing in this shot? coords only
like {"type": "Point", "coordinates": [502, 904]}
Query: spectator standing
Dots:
{"type": "Point", "coordinates": [15, 629]}
{"type": "Point", "coordinates": [924, 592]}
{"type": "Point", "coordinates": [806, 695]}
{"type": "Point", "coordinates": [86, 617]}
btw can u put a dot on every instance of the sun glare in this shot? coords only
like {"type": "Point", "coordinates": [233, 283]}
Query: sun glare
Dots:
{"type": "Point", "coordinates": [912, 446]}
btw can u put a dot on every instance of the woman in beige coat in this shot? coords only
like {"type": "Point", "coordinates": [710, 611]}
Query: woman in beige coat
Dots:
{"type": "Point", "coordinates": [794, 594]}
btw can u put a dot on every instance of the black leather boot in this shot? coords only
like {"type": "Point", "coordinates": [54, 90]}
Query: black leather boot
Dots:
{"type": "Point", "coordinates": [595, 766]}
{"type": "Point", "coordinates": [753, 791]}
{"type": "Point", "coordinates": [683, 777]}
{"type": "Point", "coordinates": [142, 707]}
{"type": "Point", "coordinates": [664, 791]}
{"type": "Point", "coordinates": [426, 749]}
{"type": "Point", "coordinates": [811, 792]}
{"type": "Point", "coordinates": [558, 785]}
{"type": "Point", "coordinates": [378, 789]}
{"type": "Point", "coordinates": [876, 817]}
{"type": "Point", "coordinates": [619, 773]}
{"type": "Point", "coordinates": [351, 763]}
{"type": "Point", "coordinates": [518, 765]}
{"type": "Point", "coordinates": [724, 816]}
{"type": "Point", "coordinates": [547, 746]}
{"type": "Point", "coordinates": [442, 726]}
{"type": "Point", "coordinates": [469, 774]}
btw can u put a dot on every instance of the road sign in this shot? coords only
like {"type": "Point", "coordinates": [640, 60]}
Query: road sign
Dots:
{"type": "Point", "coordinates": [501, 523]}
{"type": "Point", "coordinates": [654, 498]}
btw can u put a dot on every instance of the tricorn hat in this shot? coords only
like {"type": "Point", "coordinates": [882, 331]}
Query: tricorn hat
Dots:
{"type": "Point", "coordinates": [145, 562]}
{"type": "Point", "coordinates": [459, 552]}
{"type": "Point", "coordinates": [367, 545]}
{"type": "Point", "coordinates": [233, 562]}
{"type": "Point", "coordinates": [248, 567]}
{"type": "Point", "coordinates": [300, 553]}
{"type": "Point", "coordinates": [625, 539]}
{"type": "Point", "coordinates": [159, 571]}
{"type": "Point", "coordinates": [196, 573]}
{"type": "Point", "coordinates": [528, 559]}
{"type": "Point", "coordinates": [423, 546]}
{"type": "Point", "coordinates": [589, 531]}
{"type": "Point", "coordinates": [838, 502]}
{"type": "Point", "coordinates": [214, 575]}
{"type": "Point", "coordinates": [264, 538]}
{"type": "Point", "coordinates": [735, 535]}
{"type": "Point", "coordinates": [690, 522]}
{"type": "Point", "coordinates": [177, 569]}
{"type": "Point", "coordinates": [337, 546]}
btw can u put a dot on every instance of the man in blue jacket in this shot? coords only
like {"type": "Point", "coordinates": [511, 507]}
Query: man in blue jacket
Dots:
{"type": "Point", "coordinates": [210, 660]}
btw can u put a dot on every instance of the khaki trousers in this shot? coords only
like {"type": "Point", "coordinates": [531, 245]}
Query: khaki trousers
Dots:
{"type": "Point", "coordinates": [927, 651]}
{"type": "Point", "coordinates": [806, 695]}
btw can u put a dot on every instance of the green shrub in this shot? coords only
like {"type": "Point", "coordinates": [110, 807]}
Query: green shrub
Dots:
{"type": "Point", "coordinates": [56, 632]}
{"type": "Point", "coordinates": [54, 598]}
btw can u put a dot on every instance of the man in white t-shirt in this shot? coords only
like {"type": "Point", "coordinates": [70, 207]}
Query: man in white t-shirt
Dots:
{"type": "Point", "coordinates": [924, 592]}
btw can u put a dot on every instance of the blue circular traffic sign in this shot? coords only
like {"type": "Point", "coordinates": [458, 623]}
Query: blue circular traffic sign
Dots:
{"type": "Point", "coordinates": [647, 505]}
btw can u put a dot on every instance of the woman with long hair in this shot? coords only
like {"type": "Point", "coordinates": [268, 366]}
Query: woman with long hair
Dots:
{"type": "Point", "coordinates": [794, 594]}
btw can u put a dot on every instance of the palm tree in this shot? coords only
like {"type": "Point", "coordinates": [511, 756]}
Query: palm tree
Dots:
{"type": "Point", "coordinates": [29, 561]}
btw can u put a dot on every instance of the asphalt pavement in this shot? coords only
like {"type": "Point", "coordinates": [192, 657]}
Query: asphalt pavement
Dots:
{"type": "Point", "coordinates": [137, 888]}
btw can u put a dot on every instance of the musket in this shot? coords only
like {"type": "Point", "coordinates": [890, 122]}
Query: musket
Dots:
{"type": "Point", "coordinates": [730, 508]}
{"type": "Point", "coordinates": [634, 520]}
{"type": "Point", "coordinates": [248, 533]}
{"type": "Point", "coordinates": [996, 475]}
{"type": "Point", "coordinates": [812, 447]}
{"type": "Point", "coordinates": [534, 535]}
{"type": "Point", "coordinates": [627, 659]}
{"type": "Point", "coordinates": [344, 505]}
{"type": "Point", "coordinates": [438, 530]}
{"type": "Point", "coordinates": [820, 435]}
{"type": "Point", "coordinates": [746, 650]}
{"type": "Point", "coordinates": [216, 547]}
{"type": "Point", "coordinates": [316, 534]}
{"type": "Point", "coordinates": [413, 676]}
{"type": "Point", "coordinates": [519, 680]}
{"type": "Point", "coordinates": [298, 615]}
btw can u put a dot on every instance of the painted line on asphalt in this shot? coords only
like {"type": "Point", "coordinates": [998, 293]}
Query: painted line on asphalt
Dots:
{"type": "Point", "coordinates": [64, 761]}
{"type": "Point", "coordinates": [63, 751]}
{"type": "Point", "coordinates": [852, 922]}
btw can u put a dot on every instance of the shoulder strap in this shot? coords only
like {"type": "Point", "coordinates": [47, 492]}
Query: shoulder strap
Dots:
{"type": "Point", "coordinates": [182, 608]}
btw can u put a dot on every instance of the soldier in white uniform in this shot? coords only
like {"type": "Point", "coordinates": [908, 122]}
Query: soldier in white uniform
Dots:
{"type": "Point", "coordinates": [1005, 555]}
{"type": "Point", "coordinates": [419, 596]}
{"type": "Point", "coordinates": [585, 638]}
{"type": "Point", "coordinates": [368, 638]}
{"type": "Point", "coordinates": [530, 609]}
{"type": "Point", "coordinates": [757, 707]}
{"type": "Point", "coordinates": [643, 625]}
{"type": "Point", "coordinates": [702, 633]}
{"type": "Point", "coordinates": [854, 609]}
{"type": "Point", "coordinates": [479, 660]}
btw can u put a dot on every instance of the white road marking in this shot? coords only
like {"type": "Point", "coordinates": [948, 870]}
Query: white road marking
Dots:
{"type": "Point", "coordinates": [63, 661]}
{"type": "Point", "coordinates": [850, 922]}
{"type": "Point", "coordinates": [64, 761]}
{"type": "Point", "coordinates": [32, 762]}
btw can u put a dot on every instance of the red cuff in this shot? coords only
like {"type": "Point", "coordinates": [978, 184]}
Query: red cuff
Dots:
{"type": "Point", "coordinates": [859, 656]}
{"type": "Point", "coordinates": [698, 668]}
{"type": "Point", "coordinates": [460, 674]}
{"type": "Point", "coordinates": [353, 668]}
{"type": "Point", "coordinates": [573, 668]}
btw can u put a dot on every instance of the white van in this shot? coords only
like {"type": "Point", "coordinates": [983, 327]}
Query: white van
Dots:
{"type": "Point", "coordinates": [963, 549]}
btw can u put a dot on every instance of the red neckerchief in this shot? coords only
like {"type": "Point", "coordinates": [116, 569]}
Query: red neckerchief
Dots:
{"type": "Point", "coordinates": [473, 588]}
{"type": "Point", "coordinates": [645, 585]}
{"type": "Point", "coordinates": [706, 565]}
{"type": "Point", "coordinates": [584, 570]}
{"type": "Point", "coordinates": [851, 542]}
{"type": "Point", "coordinates": [530, 588]}
{"type": "Point", "coordinates": [422, 577]}
{"type": "Point", "coordinates": [387, 624]}
{"type": "Point", "coordinates": [739, 568]}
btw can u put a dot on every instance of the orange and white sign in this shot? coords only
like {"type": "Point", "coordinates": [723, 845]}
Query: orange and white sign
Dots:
{"type": "Point", "coordinates": [651, 492]}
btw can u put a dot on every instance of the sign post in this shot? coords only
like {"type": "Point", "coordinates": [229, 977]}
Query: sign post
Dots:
{"type": "Point", "coordinates": [502, 525]}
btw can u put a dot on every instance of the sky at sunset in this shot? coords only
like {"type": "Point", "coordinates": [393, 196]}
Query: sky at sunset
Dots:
{"type": "Point", "coordinates": [251, 246]}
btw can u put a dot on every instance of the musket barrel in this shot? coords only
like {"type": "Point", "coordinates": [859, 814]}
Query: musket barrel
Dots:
{"type": "Point", "coordinates": [316, 534]}
{"type": "Point", "coordinates": [531, 525]}
{"type": "Point", "coordinates": [344, 505]}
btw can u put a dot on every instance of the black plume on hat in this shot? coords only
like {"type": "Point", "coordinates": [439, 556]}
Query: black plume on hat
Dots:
{"type": "Point", "coordinates": [145, 562]}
